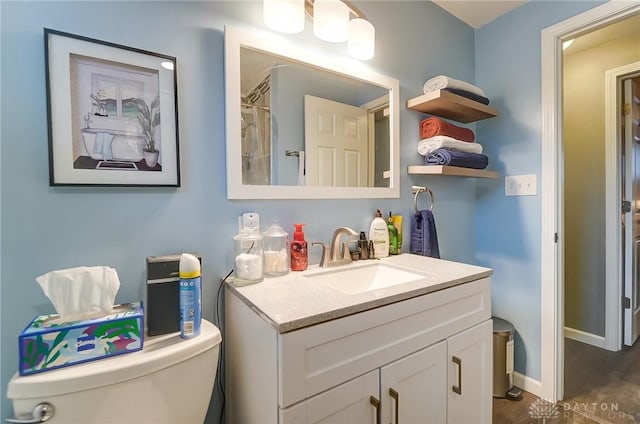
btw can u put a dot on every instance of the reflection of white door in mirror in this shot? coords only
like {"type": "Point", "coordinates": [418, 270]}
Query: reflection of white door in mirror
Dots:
{"type": "Point", "coordinates": [296, 71]}
{"type": "Point", "coordinates": [336, 143]}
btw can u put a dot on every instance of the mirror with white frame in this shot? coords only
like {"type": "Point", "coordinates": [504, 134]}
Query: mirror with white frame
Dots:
{"type": "Point", "coordinates": [303, 125]}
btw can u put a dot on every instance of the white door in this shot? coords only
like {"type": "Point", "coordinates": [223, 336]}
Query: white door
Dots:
{"type": "Point", "coordinates": [632, 219]}
{"type": "Point", "coordinates": [348, 403]}
{"type": "Point", "coordinates": [470, 387]}
{"type": "Point", "coordinates": [414, 387]}
{"type": "Point", "coordinates": [336, 143]}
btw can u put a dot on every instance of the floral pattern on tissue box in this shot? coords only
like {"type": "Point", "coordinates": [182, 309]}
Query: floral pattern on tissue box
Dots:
{"type": "Point", "coordinates": [47, 344]}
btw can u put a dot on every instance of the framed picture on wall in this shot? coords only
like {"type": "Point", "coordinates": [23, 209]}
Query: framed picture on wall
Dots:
{"type": "Point", "coordinates": [112, 113]}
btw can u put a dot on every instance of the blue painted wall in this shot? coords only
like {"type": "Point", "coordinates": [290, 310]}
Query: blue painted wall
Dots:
{"type": "Point", "coordinates": [508, 235]}
{"type": "Point", "coordinates": [46, 228]}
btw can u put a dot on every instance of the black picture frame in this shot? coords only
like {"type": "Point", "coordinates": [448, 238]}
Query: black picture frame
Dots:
{"type": "Point", "coordinates": [112, 113]}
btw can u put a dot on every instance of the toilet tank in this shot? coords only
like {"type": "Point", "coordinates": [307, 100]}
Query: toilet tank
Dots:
{"type": "Point", "coordinates": [169, 381]}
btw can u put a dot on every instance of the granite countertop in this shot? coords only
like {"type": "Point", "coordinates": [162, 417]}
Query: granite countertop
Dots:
{"type": "Point", "coordinates": [294, 301]}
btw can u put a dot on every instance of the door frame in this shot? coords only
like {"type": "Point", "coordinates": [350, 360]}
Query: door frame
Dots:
{"type": "Point", "coordinates": [552, 250]}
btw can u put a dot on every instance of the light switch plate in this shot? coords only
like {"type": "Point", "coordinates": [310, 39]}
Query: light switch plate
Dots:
{"type": "Point", "coordinates": [520, 185]}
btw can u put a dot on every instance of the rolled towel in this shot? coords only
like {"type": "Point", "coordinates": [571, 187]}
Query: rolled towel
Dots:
{"type": "Point", "coordinates": [442, 81]}
{"type": "Point", "coordinates": [433, 126]}
{"type": "Point", "coordinates": [430, 144]}
{"type": "Point", "coordinates": [469, 95]}
{"type": "Point", "coordinates": [456, 158]}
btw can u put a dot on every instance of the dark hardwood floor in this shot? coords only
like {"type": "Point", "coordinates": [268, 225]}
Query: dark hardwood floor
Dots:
{"type": "Point", "coordinates": [600, 387]}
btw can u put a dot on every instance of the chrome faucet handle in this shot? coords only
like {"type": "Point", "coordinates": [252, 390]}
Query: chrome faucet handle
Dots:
{"type": "Point", "coordinates": [346, 253]}
{"type": "Point", "coordinates": [324, 261]}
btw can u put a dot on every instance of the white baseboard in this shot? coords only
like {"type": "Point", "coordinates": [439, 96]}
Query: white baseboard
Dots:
{"type": "Point", "coordinates": [527, 384]}
{"type": "Point", "coordinates": [581, 336]}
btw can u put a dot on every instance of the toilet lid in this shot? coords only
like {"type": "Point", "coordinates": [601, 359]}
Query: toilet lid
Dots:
{"type": "Point", "coordinates": [159, 352]}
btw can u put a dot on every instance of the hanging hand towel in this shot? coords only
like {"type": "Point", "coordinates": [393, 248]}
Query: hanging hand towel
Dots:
{"type": "Point", "coordinates": [102, 145]}
{"type": "Point", "coordinates": [424, 238]}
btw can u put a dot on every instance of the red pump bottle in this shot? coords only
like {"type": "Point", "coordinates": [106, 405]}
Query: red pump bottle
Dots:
{"type": "Point", "coordinates": [299, 253]}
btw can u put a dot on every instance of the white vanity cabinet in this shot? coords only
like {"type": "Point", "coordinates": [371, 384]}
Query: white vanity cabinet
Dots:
{"type": "Point", "coordinates": [427, 359]}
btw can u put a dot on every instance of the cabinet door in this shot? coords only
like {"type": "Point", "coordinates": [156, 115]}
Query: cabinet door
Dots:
{"type": "Point", "coordinates": [470, 375]}
{"type": "Point", "coordinates": [413, 388]}
{"type": "Point", "coordinates": [348, 403]}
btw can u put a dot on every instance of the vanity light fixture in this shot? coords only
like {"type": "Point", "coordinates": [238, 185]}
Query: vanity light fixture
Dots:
{"type": "Point", "coordinates": [284, 15]}
{"type": "Point", "coordinates": [331, 22]}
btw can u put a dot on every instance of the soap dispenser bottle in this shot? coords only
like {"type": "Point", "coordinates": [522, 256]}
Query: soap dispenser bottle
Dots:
{"type": "Point", "coordinates": [299, 252]}
{"type": "Point", "coordinates": [379, 235]}
{"type": "Point", "coordinates": [393, 236]}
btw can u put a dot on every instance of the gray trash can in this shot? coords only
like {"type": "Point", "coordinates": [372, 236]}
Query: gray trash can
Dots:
{"type": "Point", "coordinates": [503, 359]}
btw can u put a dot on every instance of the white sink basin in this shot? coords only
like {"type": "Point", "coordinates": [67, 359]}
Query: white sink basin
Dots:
{"type": "Point", "coordinates": [363, 278]}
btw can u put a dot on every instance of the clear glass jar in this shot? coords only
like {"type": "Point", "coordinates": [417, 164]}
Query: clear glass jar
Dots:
{"type": "Point", "coordinates": [276, 251]}
{"type": "Point", "coordinates": [248, 257]}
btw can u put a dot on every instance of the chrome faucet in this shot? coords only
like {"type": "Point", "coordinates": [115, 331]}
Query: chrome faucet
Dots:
{"type": "Point", "coordinates": [340, 254]}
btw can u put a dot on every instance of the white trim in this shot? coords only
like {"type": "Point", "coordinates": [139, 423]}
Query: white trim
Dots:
{"type": "Point", "coordinates": [527, 384]}
{"type": "Point", "coordinates": [289, 50]}
{"type": "Point", "coordinates": [552, 284]}
{"type": "Point", "coordinates": [584, 337]}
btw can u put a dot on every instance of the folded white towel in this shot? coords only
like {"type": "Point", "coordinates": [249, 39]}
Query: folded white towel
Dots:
{"type": "Point", "coordinates": [428, 145]}
{"type": "Point", "coordinates": [443, 81]}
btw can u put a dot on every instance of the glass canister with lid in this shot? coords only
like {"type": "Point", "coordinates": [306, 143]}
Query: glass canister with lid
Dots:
{"type": "Point", "coordinates": [249, 264]}
{"type": "Point", "coordinates": [276, 251]}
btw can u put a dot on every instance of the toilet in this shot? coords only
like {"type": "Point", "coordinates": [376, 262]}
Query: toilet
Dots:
{"type": "Point", "coordinates": [169, 381]}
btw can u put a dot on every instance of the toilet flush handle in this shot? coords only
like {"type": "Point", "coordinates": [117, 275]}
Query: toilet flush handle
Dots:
{"type": "Point", "coordinates": [41, 413]}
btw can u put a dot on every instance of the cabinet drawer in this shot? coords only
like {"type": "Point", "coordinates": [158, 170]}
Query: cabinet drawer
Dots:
{"type": "Point", "coordinates": [348, 403]}
{"type": "Point", "coordinates": [319, 357]}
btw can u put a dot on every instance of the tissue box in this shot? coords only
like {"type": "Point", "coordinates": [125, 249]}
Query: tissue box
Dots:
{"type": "Point", "coordinates": [47, 344]}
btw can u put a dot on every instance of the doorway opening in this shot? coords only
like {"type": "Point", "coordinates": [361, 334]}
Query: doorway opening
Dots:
{"type": "Point", "coordinates": [553, 190]}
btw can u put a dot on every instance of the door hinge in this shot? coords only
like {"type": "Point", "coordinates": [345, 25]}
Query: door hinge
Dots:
{"type": "Point", "coordinates": [626, 109]}
{"type": "Point", "coordinates": [626, 303]}
{"type": "Point", "coordinates": [555, 237]}
{"type": "Point", "coordinates": [626, 206]}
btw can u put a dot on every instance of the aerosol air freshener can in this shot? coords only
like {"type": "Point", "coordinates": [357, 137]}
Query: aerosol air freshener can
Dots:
{"type": "Point", "coordinates": [190, 296]}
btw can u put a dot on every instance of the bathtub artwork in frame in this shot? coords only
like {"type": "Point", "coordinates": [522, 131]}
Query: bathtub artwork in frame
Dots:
{"type": "Point", "coordinates": [112, 113]}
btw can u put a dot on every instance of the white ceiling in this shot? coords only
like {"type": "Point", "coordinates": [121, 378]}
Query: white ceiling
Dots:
{"type": "Point", "coordinates": [477, 13]}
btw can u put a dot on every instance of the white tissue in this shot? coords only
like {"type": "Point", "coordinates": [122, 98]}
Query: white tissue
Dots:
{"type": "Point", "coordinates": [81, 293]}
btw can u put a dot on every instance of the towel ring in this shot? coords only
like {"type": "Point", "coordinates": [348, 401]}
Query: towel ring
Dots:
{"type": "Point", "coordinates": [416, 191]}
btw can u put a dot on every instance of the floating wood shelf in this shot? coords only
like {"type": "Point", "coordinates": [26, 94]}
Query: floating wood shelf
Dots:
{"type": "Point", "coordinates": [451, 106]}
{"type": "Point", "coordinates": [453, 171]}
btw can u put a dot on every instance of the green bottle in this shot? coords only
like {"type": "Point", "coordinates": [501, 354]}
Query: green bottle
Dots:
{"type": "Point", "coordinates": [393, 236]}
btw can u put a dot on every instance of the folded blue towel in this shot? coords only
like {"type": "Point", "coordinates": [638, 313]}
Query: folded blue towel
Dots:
{"type": "Point", "coordinates": [102, 145]}
{"type": "Point", "coordinates": [457, 158]}
{"type": "Point", "coordinates": [424, 237]}
{"type": "Point", "coordinates": [469, 95]}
